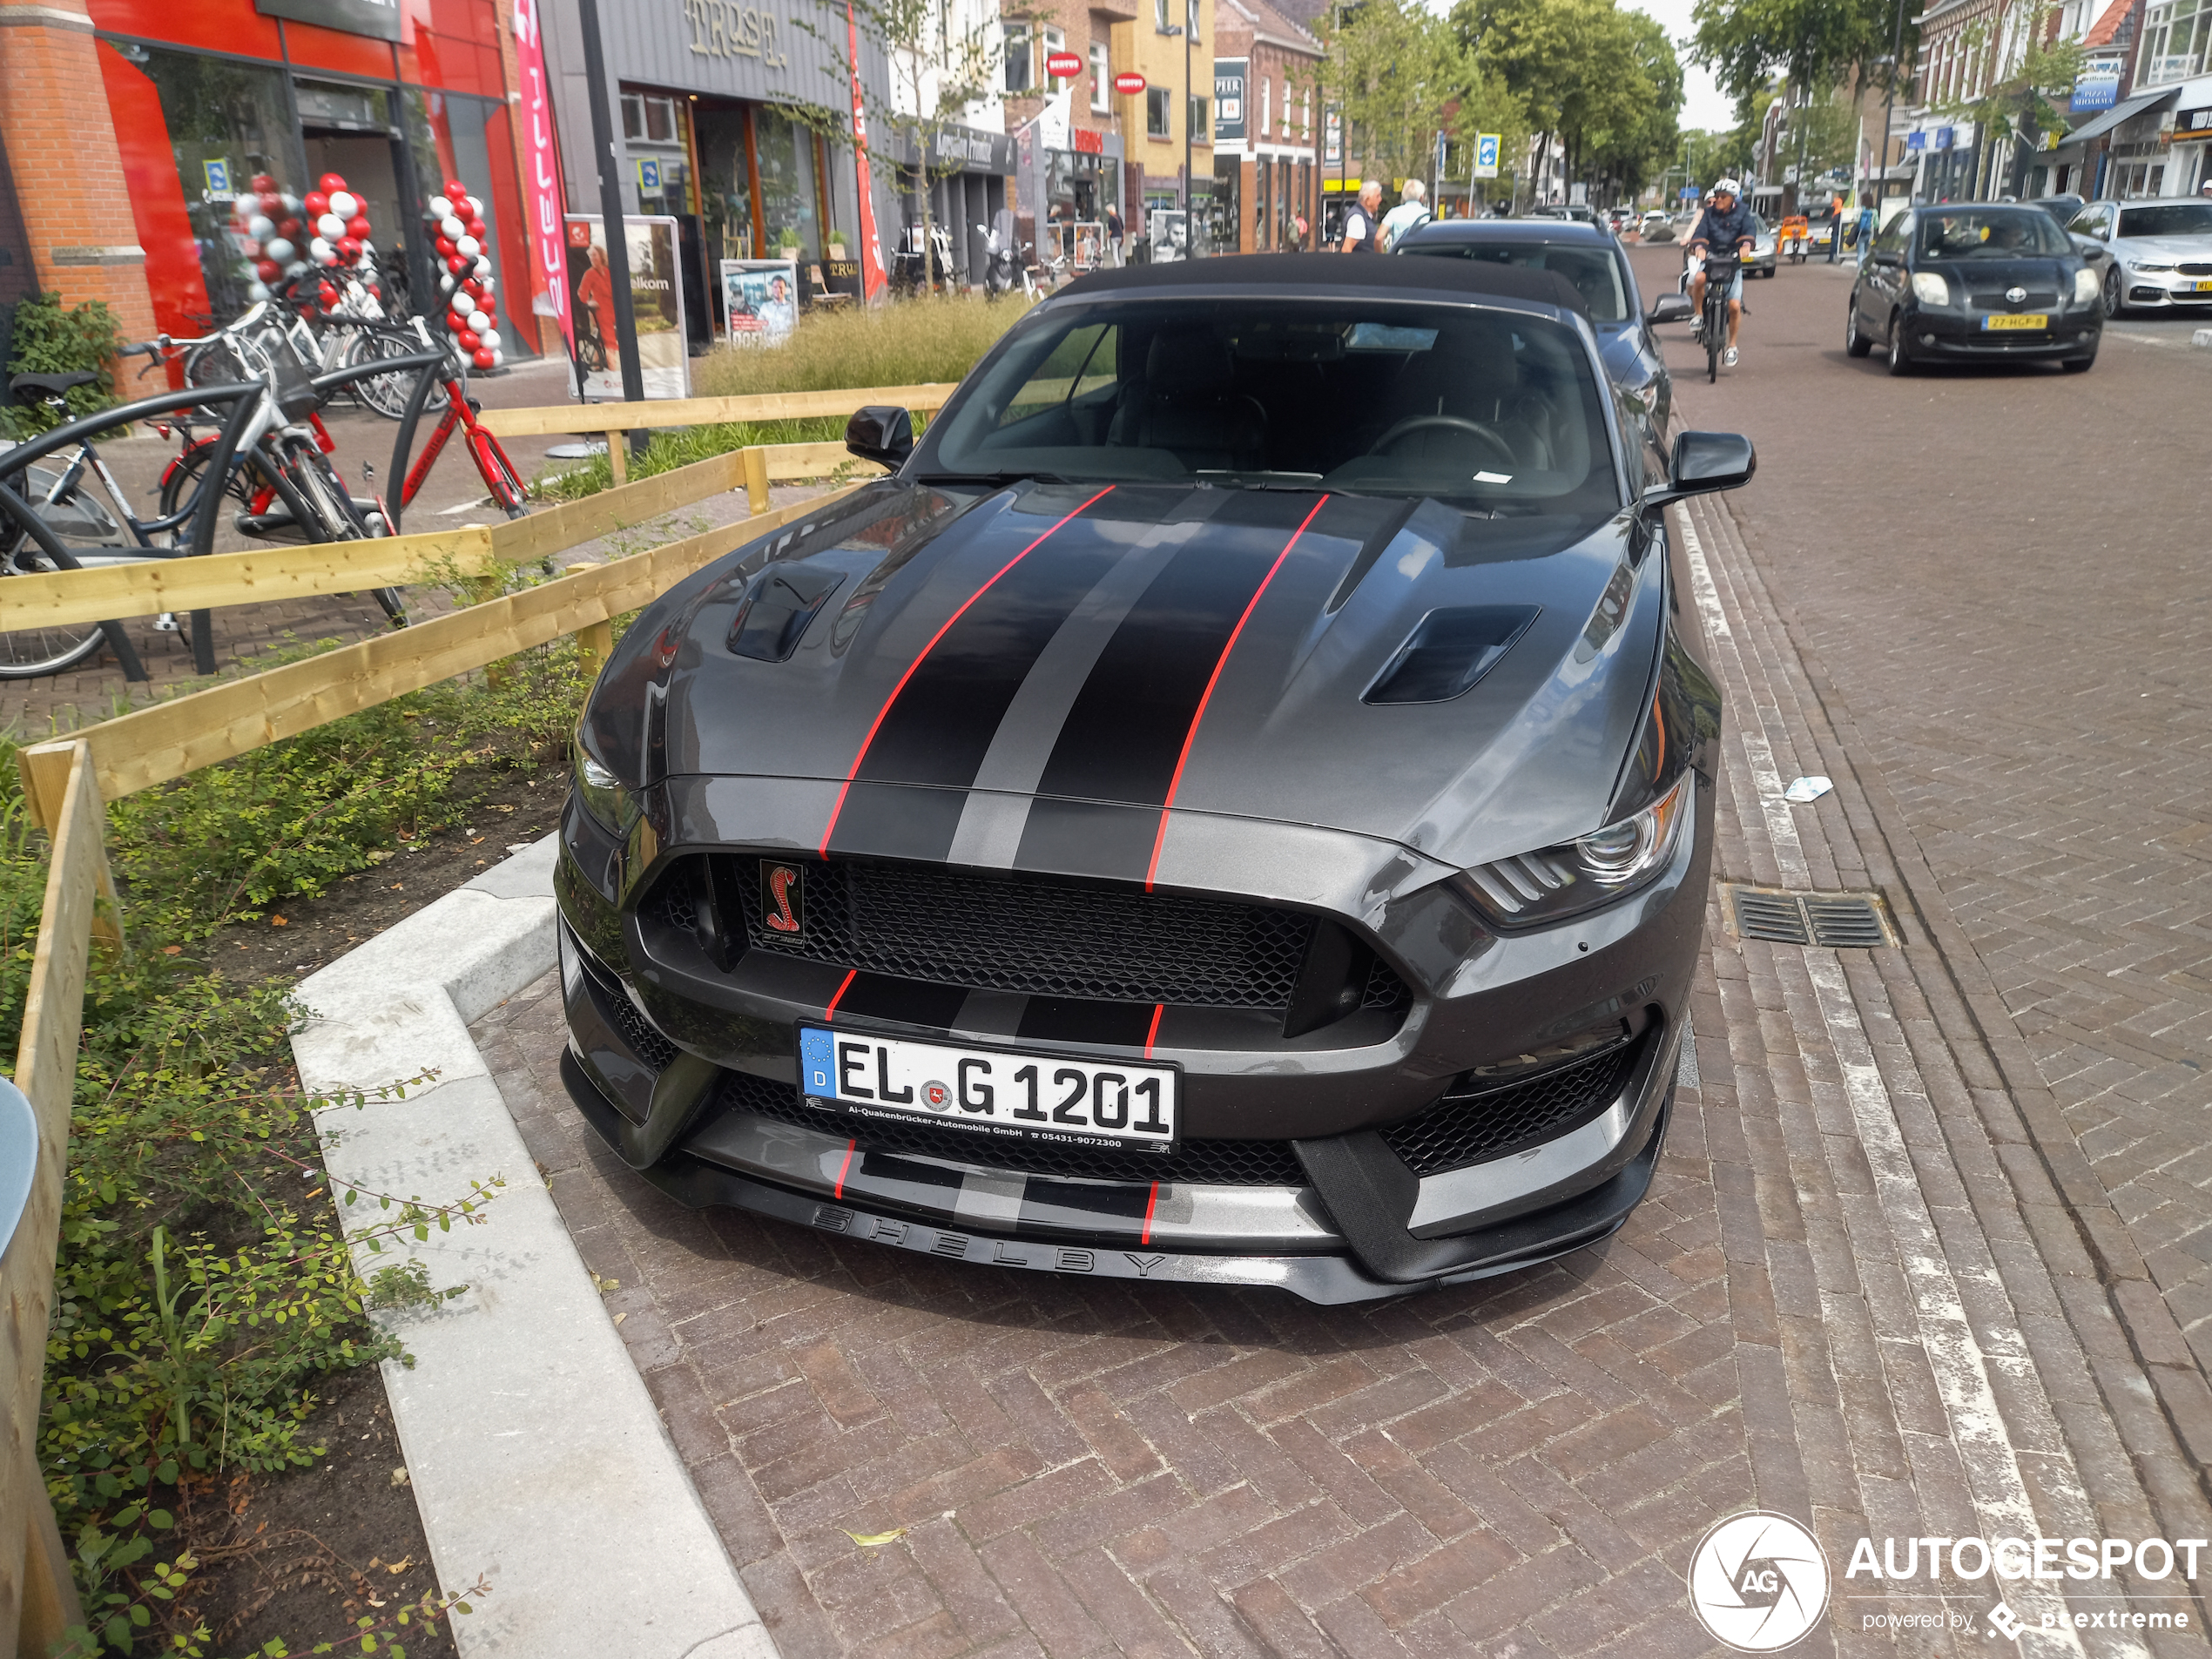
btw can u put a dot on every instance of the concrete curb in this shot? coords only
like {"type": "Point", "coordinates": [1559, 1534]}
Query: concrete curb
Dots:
{"type": "Point", "coordinates": [537, 1458]}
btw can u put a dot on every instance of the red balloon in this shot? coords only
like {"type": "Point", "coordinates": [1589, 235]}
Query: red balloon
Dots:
{"type": "Point", "coordinates": [455, 189]}
{"type": "Point", "coordinates": [445, 247]}
{"type": "Point", "coordinates": [328, 296]}
{"type": "Point", "coordinates": [264, 183]}
{"type": "Point", "coordinates": [268, 270]}
{"type": "Point", "coordinates": [482, 359]}
{"type": "Point", "coordinates": [459, 263]}
{"type": "Point", "coordinates": [469, 341]}
{"type": "Point", "coordinates": [357, 228]}
{"type": "Point", "coordinates": [455, 321]}
{"type": "Point", "coordinates": [289, 229]}
{"type": "Point", "coordinates": [348, 249]}
{"type": "Point", "coordinates": [317, 204]}
{"type": "Point", "coordinates": [271, 203]}
{"type": "Point", "coordinates": [476, 229]}
{"type": "Point", "coordinates": [330, 183]}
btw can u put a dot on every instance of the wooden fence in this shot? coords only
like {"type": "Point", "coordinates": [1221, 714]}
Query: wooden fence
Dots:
{"type": "Point", "coordinates": [67, 783]}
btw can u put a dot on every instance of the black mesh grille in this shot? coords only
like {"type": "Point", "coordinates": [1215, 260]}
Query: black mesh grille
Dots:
{"type": "Point", "coordinates": [646, 1043]}
{"type": "Point", "coordinates": [1240, 1164]}
{"type": "Point", "coordinates": [1043, 938]}
{"type": "Point", "coordinates": [1462, 1129]}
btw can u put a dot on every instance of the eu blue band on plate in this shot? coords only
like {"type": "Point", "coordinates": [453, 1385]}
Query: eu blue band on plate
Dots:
{"type": "Point", "coordinates": [817, 1063]}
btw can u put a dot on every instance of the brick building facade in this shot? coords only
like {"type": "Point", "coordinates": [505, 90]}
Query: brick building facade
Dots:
{"type": "Point", "coordinates": [1271, 150]}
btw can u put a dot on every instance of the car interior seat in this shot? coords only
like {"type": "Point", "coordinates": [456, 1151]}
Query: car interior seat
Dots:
{"type": "Point", "coordinates": [1188, 403]}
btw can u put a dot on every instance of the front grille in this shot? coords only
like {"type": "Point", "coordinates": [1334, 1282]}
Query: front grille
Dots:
{"type": "Point", "coordinates": [1994, 300]}
{"type": "Point", "coordinates": [1460, 1129]}
{"type": "Point", "coordinates": [1046, 937]}
{"type": "Point", "coordinates": [1236, 1164]}
{"type": "Point", "coordinates": [2197, 268]}
{"type": "Point", "coordinates": [646, 1043]}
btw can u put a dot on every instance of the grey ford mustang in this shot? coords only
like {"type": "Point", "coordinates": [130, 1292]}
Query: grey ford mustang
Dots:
{"type": "Point", "coordinates": [1234, 807]}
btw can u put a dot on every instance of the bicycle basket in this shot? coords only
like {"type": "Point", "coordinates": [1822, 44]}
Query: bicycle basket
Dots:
{"type": "Point", "coordinates": [295, 391]}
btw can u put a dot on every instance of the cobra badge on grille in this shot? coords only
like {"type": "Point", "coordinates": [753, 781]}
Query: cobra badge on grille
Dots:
{"type": "Point", "coordinates": [783, 899]}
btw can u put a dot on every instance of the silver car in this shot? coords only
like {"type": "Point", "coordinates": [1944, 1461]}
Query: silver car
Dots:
{"type": "Point", "coordinates": [2156, 254]}
{"type": "Point", "coordinates": [1759, 262]}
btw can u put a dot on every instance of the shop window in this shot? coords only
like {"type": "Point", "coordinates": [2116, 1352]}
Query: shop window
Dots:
{"type": "Point", "coordinates": [788, 201]}
{"type": "Point", "coordinates": [1020, 70]}
{"type": "Point", "coordinates": [1101, 79]}
{"type": "Point", "coordinates": [649, 118]}
{"type": "Point", "coordinates": [725, 182]}
{"type": "Point", "coordinates": [1156, 111]}
{"type": "Point", "coordinates": [226, 120]}
{"type": "Point", "coordinates": [2177, 41]}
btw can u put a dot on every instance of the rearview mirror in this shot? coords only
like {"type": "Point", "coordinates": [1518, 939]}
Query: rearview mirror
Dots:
{"type": "Point", "coordinates": [881, 432]}
{"type": "Point", "coordinates": [1672, 308]}
{"type": "Point", "coordinates": [1702, 462]}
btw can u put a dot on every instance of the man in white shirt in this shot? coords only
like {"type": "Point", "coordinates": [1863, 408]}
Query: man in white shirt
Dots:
{"type": "Point", "coordinates": [1410, 212]}
{"type": "Point", "coordinates": [1362, 232]}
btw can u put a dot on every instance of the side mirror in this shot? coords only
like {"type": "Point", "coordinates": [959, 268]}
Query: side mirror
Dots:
{"type": "Point", "coordinates": [1672, 308]}
{"type": "Point", "coordinates": [1702, 462]}
{"type": "Point", "coordinates": [881, 432]}
{"type": "Point", "coordinates": [1887, 259]}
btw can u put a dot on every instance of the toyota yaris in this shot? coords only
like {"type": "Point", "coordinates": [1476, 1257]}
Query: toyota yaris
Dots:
{"type": "Point", "coordinates": [1232, 806]}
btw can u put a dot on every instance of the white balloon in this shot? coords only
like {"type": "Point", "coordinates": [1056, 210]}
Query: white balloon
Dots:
{"type": "Point", "coordinates": [483, 271]}
{"type": "Point", "coordinates": [468, 246]}
{"type": "Point", "coordinates": [292, 203]}
{"type": "Point", "coordinates": [319, 251]}
{"type": "Point", "coordinates": [497, 357]}
{"type": "Point", "coordinates": [296, 269]}
{"type": "Point", "coordinates": [280, 250]}
{"type": "Point", "coordinates": [246, 205]}
{"type": "Point", "coordinates": [452, 229]}
{"type": "Point", "coordinates": [345, 204]}
{"type": "Point", "coordinates": [258, 291]}
{"type": "Point", "coordinates": [330, 226]}
{"type": "Point", "coordinates": [490, 336]}
{"type": "Point", "coordinates": [260, 227]}
{"type": "Point", "coordinates": [441, 208]}
{"type": "Point", "coordinates": [464, 305]}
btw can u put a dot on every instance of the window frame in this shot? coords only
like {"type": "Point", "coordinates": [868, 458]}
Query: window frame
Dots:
{"type": "Point", "coordinates": [1159, 103]}
{"type": "Point", "coordinates": [1018, 48]}
{"type": "Point", "coordinates": [1101, 79]}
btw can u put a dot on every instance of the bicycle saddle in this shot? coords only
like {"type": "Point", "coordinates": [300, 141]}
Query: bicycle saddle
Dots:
{"type": "Point", "coordinates": [55, 383]}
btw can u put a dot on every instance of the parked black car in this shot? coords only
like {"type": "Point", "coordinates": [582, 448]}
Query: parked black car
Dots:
{"type": "Point", "coordinates": [1975, 282]}
{"type": "Point", "coordinates": [1234, 807]}
{"type": "Point", "coordinates": [1598, 266]}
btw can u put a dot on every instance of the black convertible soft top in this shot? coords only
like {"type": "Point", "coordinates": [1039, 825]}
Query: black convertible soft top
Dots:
{"type": "Point", "coordinates": [1343, 271]}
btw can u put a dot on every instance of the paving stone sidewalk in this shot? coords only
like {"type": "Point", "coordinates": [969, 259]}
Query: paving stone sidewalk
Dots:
{"type": "Point", "coordinates": [1854, 1296]}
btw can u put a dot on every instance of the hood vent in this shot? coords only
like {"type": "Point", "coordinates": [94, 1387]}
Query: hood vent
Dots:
{"type": "Point", "coordinates": [777, 610]}
{"type": "Point", "coordinates": [1449, 651]}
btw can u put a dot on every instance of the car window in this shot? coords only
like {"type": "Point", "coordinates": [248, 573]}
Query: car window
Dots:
{"type": "Point", "coordinates": [2096, 222]}
{"type": "Point", "coordinates": [1490, 407]}
{"type": "Point", "coordinates": [2167, 218]}
{"type": "Point", "coordinates": [1991, 233]}
{"type": "Point", "coordinates": [1590, 269]}
{"type": "Point", "coordinates": [1891, 239]}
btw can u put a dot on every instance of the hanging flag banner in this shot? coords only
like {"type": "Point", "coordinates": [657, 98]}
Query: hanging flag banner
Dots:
{"type": "Point", "coordinates": [873, 280]}
{"type": "Point", "coordinates": [543, 202]}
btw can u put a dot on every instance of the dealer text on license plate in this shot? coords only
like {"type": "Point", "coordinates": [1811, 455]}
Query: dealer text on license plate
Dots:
{"type": "Point", "coordinates": [2033, 321]}
{"type": "Point", "coordinates": [991, 1091]}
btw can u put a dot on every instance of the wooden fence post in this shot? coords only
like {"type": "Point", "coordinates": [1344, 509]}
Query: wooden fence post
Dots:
{"type": "Point", "coordinates": [595, 640]}
{"type": "Point", "coordinates": [756, 478]}
{"type": "Point", "coordinates": [45, 772]}
{"type": "Point", "coordinates": [619, 457]}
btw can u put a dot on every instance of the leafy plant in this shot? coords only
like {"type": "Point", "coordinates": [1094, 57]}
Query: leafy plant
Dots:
{"type": "Point", "coordinates": [50, 341]}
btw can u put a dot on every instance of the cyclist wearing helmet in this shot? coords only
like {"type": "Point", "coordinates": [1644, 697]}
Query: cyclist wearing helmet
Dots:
{"type": "Point", "coordinates": [1723, 228]}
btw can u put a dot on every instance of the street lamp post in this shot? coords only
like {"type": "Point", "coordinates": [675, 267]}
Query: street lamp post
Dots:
{"type": "Point", "coordinates": [1889, 104]}
{"type": "Point", "coordinates": [1190, 235]}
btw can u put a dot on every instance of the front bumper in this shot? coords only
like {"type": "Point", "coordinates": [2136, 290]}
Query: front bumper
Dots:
{"type": "Point", "coordinates": [2167, 289]}
{"type": "Point", "coordinates": [2073, 332]}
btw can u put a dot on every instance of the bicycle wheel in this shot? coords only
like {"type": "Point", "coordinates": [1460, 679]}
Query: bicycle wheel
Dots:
{"type": "Point", "coordinates": [31, 653]}
{"type": "Point", "coordinates": [180, 483]}
{"type": "Point", "coordinates": [329, 513]}
{"type": "Point", "coordinates": [1716, 335]}
{"type": "Point", "coordinates": [387, 393]}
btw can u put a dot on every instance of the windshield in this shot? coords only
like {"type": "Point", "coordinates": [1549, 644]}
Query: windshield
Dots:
{"type": "Point", "coordinates": [1591, 270]}
{"type": "Point", "coordinates": [2167, 218]}
{"type": "Point", "coordinates": [2008, 235]}
{"type": "Point", "coordinates": [1492, 409]}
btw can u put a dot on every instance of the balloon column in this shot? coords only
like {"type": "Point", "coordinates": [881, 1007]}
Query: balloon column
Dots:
{"type": "Point", "coordinates": [285, 235]}
{"type": "Point", "coordinates": [455, 224]}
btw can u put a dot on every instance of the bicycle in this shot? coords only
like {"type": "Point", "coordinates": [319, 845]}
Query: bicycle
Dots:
{"type": "Point", "coordinates": [1713, 321]}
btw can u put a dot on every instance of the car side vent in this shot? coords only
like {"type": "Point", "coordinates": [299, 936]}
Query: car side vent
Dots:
{"type": "Point", "coordinates": [1834, 920]}
{"type": "Point", "coordinates": [1448, 651]}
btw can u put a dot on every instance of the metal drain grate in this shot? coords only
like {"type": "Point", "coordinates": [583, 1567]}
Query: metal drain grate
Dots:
{"type": "Point", "coordinates": [1837, 920]}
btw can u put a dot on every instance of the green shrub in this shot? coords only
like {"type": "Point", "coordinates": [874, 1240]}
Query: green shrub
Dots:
{"type": "Point", "coordinates": [914, 343]}
{"type": "Point", "coordinates": [50, 341]}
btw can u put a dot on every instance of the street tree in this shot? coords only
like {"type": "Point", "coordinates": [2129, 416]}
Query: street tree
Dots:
{"type": "Point", "coordinates": [2020, 101]}
{"type": "Point", "coordinates": [1814, 43]}
{"type": "Point", "coordinates": [1392, 69]}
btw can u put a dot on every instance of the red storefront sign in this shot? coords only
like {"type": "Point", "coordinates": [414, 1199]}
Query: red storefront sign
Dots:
{"type": "Point", "coordinates": [1129, 85]}
{"type": "Point", "coordinates": [1088, 143]}
{"type": "Point", "coordinates": [543, 200]}
{"type": "Point", "coordinates": [1063, 66]}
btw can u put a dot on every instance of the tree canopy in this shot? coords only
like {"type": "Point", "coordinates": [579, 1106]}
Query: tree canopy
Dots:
{"type": "Point", "coordinates": [1815, 43]}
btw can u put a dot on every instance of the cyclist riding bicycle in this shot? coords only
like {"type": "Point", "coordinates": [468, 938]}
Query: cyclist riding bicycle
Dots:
{"type": "Point", "coordinates": [1721, 229]}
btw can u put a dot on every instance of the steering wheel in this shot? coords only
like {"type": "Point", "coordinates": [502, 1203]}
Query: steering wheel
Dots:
{"type": "Point", "coordinates": [1501, 450]}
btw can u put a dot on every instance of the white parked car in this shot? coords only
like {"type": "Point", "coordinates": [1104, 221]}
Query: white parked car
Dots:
{"type": "Point", "coordinates": [2148, 253]}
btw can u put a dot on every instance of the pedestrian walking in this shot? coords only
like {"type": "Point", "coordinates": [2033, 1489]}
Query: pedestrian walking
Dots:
{"type": "Point", "coordinates": [1362, 231]}
{"type": "Point", "coordinates": [1113, 234]}
{"type": "Point", "coordinates": [1300, 227]}
{"type": "Point", "coordinates": [1411, 213]}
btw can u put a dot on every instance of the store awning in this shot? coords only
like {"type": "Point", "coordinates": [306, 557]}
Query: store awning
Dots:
{"type": "Point", "coordinates": [2126, 111]}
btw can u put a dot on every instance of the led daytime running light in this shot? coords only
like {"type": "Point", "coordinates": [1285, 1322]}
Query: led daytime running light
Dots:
{"type": "Point", "coordinates": [1533, 886]}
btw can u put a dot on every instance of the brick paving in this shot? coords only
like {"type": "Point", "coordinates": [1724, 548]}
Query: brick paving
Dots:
{"type": "Point", "coordinates": [1860, 1293]}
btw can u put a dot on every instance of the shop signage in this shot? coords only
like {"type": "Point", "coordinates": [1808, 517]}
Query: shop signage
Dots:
{"type": "Point", "coordinates": [1229, 98]}
{"type": "Point", "coordinates": [1333, 141]}
{"type": "Point", "coordinates": [377, 19]}
{"type": "Point", "coordinates": [2097, 87]}
{"type": "Point", "coordinates": [1063, 66]}
{"type": "Point", "coordinates": [656, 301]}
{"type": "Point", "coordinates": [724, 29]}
{"type": "Point", "coordinates": [1486, 155]}
{"type": "Point", "coordinates": [1943, 137]}
{"type": "Point", "coordinates": [541, 175]}
{"type": "Point", "coordinates": [2193, 124]}
{"type": "Point", "coordinates": [1129, 83]}
{"type": "Point", "coordinates": [1088, 143]}
{"type": "Point", "coordinates": [1916, 141]}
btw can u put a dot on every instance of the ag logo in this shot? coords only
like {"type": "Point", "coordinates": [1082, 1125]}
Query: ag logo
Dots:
{"type": "Point", "coordinates": [1758, 1582]}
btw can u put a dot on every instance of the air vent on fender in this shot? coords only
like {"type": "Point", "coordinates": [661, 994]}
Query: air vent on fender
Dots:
{"type": "Point", "coordinates": [778, 607]}
{"type": "Point", "coordinates": [1450, 650]}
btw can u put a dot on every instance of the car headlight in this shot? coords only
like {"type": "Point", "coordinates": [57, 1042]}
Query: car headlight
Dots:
{"type": "Point", "coordinates": [2146, 264]}
{"type": "Point", "coordinates": [1930, 289]}
{"type": "Point", "coordinates": [612, 807]}
{"type": "Point", "coordinates": [2085, 286]}
{"type": "Point", "coordinates": [1597, 869]}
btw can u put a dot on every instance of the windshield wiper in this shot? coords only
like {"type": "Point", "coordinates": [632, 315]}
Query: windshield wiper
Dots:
{"type": "Point", "coordinates": [994, 480]}
{"type": "Point", "coordinates": [1258, 478]}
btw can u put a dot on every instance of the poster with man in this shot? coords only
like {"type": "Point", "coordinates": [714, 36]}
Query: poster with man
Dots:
{"type": "Point", "coordinates": [761, 300]}
{"type": "Point", "coordinates": [656, 297]}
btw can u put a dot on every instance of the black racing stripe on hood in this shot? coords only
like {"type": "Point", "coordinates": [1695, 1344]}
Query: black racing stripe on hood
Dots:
{"type": "Point", "coordinates": [1089, 838]}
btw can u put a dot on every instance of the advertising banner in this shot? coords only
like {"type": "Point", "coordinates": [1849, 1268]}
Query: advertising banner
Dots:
{"type": "Point", "coordinates": [873, 278]}
{"type": "Point", "coordinates": [761, 298]}
{"type": "Point", "coordinates": [2097, 87]}
{"type": "Point", "coordinates": [656, 295]}
{"type": "Point", "coordinates": [542, 195]}
{"type": "Point", "coordinates": [1229, 98]}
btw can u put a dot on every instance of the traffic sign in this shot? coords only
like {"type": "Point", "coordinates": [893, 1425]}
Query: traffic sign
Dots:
{"type": "Point", "coordinates": [1063, 66]}
{"type": "Point", "coordinates": [1128, 83]}
{"type": "Point", "coordinates": [1486, 155]}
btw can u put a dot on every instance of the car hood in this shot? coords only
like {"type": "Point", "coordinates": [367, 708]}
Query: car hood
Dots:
{"type": "Point", "coordinates": [2162, 247]}
{"type": "Point", "coordinates": [1028, 678]}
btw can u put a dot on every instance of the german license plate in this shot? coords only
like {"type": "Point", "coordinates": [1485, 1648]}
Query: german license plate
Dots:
{"type": "Point", "coordinates": [2032, 320]}
{"type": "Point", "coordinates": [991, 1091]}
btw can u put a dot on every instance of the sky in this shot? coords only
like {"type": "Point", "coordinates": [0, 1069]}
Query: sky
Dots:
{"type": "Point", "coordinates": [1702, 103]}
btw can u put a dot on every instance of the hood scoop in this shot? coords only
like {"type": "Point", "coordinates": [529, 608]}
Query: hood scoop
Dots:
{"type": "Point", "coordinates": [777, 610]}
{"type": "Point", "coordinates": [1448, 651]}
